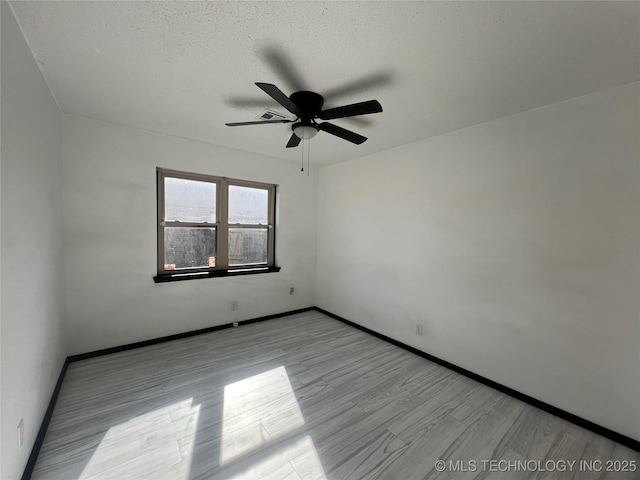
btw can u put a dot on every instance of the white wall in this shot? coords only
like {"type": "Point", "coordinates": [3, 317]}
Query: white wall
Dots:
{"type": "Point", "coordinates": [110, 237]}
{"type": "Point", "coordinates": [32, 269]}
{"type": "Point", "coordinates": [516, 243]}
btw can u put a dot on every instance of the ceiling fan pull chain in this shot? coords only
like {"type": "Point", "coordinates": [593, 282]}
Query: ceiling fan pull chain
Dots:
{"type": "Point", "coordinates": [308, 158]}
{"type": "Point", "coordinates": [302, 168]}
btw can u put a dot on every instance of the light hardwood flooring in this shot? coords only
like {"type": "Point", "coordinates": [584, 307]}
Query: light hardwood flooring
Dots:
{"type": "Point", "coordinates": [301, 397]}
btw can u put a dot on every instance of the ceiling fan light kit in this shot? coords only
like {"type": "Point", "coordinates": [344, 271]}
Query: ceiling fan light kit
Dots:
{"type": "Point", "coordinates": [307, 107]}
{"type": "Point", "coordinates": [304, 132]}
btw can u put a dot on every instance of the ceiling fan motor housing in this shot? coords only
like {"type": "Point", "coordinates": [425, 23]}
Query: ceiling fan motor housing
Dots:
{"type": "Point", "coordinates": [309, 104]}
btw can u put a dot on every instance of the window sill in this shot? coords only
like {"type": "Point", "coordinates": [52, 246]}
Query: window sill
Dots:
{"type": "Point", "coordinates": [179, 277]}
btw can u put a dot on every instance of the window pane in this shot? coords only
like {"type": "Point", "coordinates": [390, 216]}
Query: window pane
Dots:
{"type": "Point", "coordinates": [248, 205]}
{"type": "Point", "coordinates": [189, 200]}
{"type": "Point", "coordinates": [247, 246]}
{"type": "Point", "coordinates": [189, 248]}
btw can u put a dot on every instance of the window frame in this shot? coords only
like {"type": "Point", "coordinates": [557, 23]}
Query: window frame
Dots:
{"type": "Point", "coordinates": [221, 225]}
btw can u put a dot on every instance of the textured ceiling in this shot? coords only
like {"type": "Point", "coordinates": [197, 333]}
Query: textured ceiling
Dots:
{"type": "Point", "coordinates": [186, 68]}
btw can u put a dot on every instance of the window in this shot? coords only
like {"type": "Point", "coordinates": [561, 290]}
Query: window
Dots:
{"type": "Point", "coordinates": [211, 226]}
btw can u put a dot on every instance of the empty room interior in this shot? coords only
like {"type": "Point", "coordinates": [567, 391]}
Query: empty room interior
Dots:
{"type": "Point", "coordinates": [320, 240]}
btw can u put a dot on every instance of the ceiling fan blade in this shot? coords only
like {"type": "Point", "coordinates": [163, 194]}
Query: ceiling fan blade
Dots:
{"type": "Point", "coordinates": [282, 65]}
{"type": "Point", "coordinates": [257, 122]}
{"type": "Point", "coordinates": [342, 133]}
{"type": "Point", "coordinates": [275, 93]}
{"type": "Point", "coordinates": [375, 80]}
{"type": "Point", "coordinates": [249, 102]}
{"type": "Point", "coordinates": [294, 141]}
{"type": "Point", "coordinates": [362, 108]}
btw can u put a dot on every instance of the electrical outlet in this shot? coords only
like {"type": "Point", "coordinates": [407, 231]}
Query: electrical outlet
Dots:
{"type": "Point", "coordinates": [291, 290]}
{"type": "Point", "coordinates": [418, 329]}
{"type": "Point", "coordinates": [234, 305]}
{"type": "Point", "coordinates": [20, 434]}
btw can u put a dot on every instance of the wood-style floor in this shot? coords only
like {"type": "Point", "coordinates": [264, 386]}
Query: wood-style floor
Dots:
{"type": "Point", "coordinates": [302, 397]}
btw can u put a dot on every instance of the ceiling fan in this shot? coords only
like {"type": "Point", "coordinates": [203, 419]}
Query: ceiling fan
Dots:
{"type": "Point", "coordinates": [307, 107]}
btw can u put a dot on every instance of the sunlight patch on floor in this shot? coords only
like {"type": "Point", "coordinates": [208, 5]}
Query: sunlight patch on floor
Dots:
{"type": "Point", "coordinates": [256, 411]}
{"type": "Point", "coordinates": [144, 445]}
{"type": "Point", "coordinates": [297, 460]}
